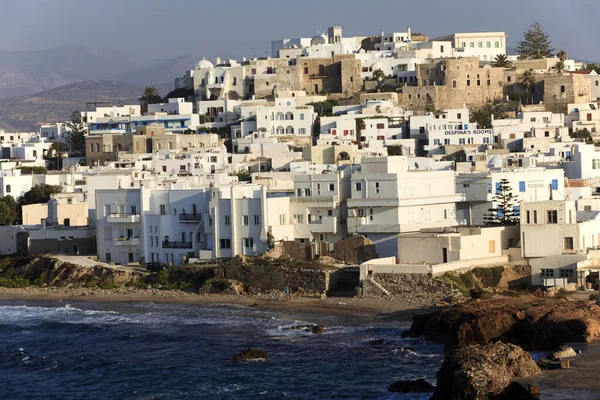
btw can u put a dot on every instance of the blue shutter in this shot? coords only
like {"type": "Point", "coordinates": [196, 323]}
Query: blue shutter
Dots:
{"type": "Point", "coordinates": [500, 212]}
{"type": "Point", "coordinates": [554, 184]}
{"type": "Point", "coordinates": [517, 211]}
{"type": "Point", "coordinates": [521, 186]}
{"type": "Point", "coordinates": [498, 187]}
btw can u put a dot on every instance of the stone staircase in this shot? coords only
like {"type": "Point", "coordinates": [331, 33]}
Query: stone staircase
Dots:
{"type": "Point", "coordinates": [379, 286]}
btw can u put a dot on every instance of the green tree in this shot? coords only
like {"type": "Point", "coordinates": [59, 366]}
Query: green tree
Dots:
{"type": "Point", "coordinates": [594, 67]}
{"type": "Point", "coordinates": [38, 194]}
{"type": "Point", "coordinates": [559, 66]}
{"type": "Point", "coordinates": [501, 61]}
{"type": "Point", "coordinates": [324, 108]}
{"type": "Point", "coordinates": [396, 150]}
{"type": "Point", "coordinates": [148, 96]}
{"type": "Point", "coordinates": [505, 210]}
{"type": "Point", "coordinates": [8, 210]}
{"type": "Point", "coordinates": [562, 55]}
{"type": "Point", "coordinates": [482, 117]}
{"type": "Point", "coordinates": [582, 134]}
{"type": "Point", "coordinates": [527, 80]}
{"type": "Point", "coordinates": [535, 43]}
{"type": "Point", "coordinates": [429, 105]}
{"type": "Point", "coordinates": [180, 92]}
{"type": "Point", "coordinates": [76, 135]}
{"type": "Point", "coordinates": [378, 75]}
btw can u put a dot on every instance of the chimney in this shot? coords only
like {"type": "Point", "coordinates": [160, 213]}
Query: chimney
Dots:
{"type": "Point", "coordinates": [409, 34]}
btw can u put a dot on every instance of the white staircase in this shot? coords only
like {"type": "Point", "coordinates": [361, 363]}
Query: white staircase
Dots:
{"type": "Point", "coordinates": [379, 286]}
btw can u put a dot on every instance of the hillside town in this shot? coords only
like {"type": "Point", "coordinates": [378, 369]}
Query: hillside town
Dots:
{"type": "Point", "coordinates": [417, 155]}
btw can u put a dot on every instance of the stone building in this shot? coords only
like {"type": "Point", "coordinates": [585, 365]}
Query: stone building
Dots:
{"type": "Point", "coordinates": [563, 89]}
{"type": "Point", "coordinates": [453, 83]}
{"type": "Point", "coordinates": [339, 74]}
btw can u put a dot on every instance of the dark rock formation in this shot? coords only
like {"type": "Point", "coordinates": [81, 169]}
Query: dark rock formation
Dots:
{"type": "Point", "coordinates": [316, 329]}
{"type": "Point", "coordinates": [516, 391]}
{"type": "Point", "coordinates": [474, 372]}
{"type": "Point", "coordinates": [532, 323]}
{"type": "Point", "coordinates": [554, 364]}
{"type": "Point", "coordinates": [418, 386]}
{"type": "Point", "coordinates": [251, 354]}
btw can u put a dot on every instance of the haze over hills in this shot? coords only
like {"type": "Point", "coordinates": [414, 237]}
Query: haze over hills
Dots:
{"type": "Point", "coordinates": [26, 72]}
{"type": "Point", "coordinates": [26, 113]}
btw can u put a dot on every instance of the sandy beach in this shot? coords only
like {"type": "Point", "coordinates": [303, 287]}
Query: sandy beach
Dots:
{"type": "Point", "coordinates": [333, 305]}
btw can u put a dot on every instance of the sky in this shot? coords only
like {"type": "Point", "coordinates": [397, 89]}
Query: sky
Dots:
{"type": "Point", "coordinates": [160, 29]}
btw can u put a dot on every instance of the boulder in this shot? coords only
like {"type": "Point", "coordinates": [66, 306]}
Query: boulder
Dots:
{"type": "Point", "coordinates": [418, 386]}
{"type": "Point", "coordinates": [516, 391]}
{"type": "Point", "coordinates": [532, 323]}
{"type": "Point", "coordinates": [251, 354]}
{"type": "Point", "coordinates": [562, 352]}
{"type": "Point", "coordinates": [473, 372]}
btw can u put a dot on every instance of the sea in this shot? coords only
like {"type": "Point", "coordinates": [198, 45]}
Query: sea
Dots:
{"type": "Point", "coordinates": [100, 350]}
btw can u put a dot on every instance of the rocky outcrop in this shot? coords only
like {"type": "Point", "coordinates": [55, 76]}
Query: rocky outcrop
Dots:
{"type": "Point", "coordinates": [251, 354]}
{"type": "Point", "coordinates": [563, 352]}
{"type": "Point", "coordinates": [532, 323]}
{"type": "Point", "coordinates": [316, 329]}
{"type": "Point", "coordinates": [418, 386]}
{"type": "Point", "coordinates": [476, 372]}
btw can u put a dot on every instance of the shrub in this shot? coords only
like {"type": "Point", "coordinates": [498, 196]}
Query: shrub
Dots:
{"type": "Point", "coordinates": [594, 296]}
{"type": "Point", "coordinates": [108, 286]}
{"type": "Point", "coordinates": [162, 278]}
{"type": "Point", "coordinates": [457, 282]}
{"type": "Point", "coordinates": [40, 279]}
{"type": "Point", "coordinates": [15, 282]}
{"type": "Point", "coordinates": [89, 281]}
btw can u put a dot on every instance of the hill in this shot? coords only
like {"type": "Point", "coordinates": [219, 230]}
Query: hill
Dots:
{"type": "Point", "coordinates": [26, 113]}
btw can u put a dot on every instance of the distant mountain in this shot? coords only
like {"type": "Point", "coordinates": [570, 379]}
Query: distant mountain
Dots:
{"type": "Point", "coordinates": [26, 113]}
{"type": "Point", "coordinates": [163, 71]}
{"type": "Point", "coordinates": [26, 72]}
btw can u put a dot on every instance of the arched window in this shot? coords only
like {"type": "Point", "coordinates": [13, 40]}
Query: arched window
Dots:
{"type": "Point", "coordinates": [289, 115]}
{"type": "Point", "coordinates": [280, 130]}
{"type": "Point", "coordinates": [8, 189]}
{"type": "Point", "coordinates": [289, 130]}
{"type": "Point", "coordinates": [279, 117]}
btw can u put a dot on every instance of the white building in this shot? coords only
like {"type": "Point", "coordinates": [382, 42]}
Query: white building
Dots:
{"type": "Point", "coordinates": [527, 184]}
{"type": "Point", "coordinates": [513, 133]}
{"type": "Point", "coordinates": [174, 106]}
{"type": "Point", "coordinates": [484, 45]}
{"type": "Point", "coordinates": [584, 162]}
{"type": "Point", "coordinates": [392, 195]}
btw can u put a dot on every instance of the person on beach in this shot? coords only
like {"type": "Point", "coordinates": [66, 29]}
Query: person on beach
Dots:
{"type": "Point", "coordinates": [287, 293]}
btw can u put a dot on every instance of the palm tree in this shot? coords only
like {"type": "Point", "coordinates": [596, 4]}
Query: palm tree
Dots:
{"type": "Point", "coordinates": [562, 55]}
{"type": "Point", "coordinates": [527, 79]}
{"type": "Point", "coordinates": [146, 97]}
{"type": "Point", "coordinates": [501, 61]}
{"type": "Point", "coordinates": [559, 66]}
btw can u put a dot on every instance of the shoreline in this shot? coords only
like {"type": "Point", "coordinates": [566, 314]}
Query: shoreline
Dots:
{"type": "Point", "coordinates": [356, 306]}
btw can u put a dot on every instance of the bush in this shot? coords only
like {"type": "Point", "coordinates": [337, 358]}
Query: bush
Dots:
{"type": "Point", "coordinates": [457, 282]}
{"type": "Point", "coordinates": [594, 296]}
{"type": "Point", "coordinates": [89, 281]}
{"type": "Point", "coordinates": [15, 282]}
{"type": "Point", "coordinates": [108, 286]}
{"type": "Point", "coordinates": [40, 279]}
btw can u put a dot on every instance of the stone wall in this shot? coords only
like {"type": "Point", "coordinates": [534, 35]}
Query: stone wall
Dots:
{"type": "Point", "coordinates": [452, 83]}
{"type": "Point", "coordinates": [262, 275]}
{"type": "Point", "coordinates": [54, 246]}
{"type": "Point", "coordinates": [354, 250]}
{"type": "Point", "coordinates": [410, 288]}
{"type": "Point", "coordinates": [562, 89]}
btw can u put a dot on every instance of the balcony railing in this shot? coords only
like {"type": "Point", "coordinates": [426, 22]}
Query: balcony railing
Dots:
{"type": "Point", "coordinates": [167, 244]}
{"type": "Point", "coordinates": [123, 218]}
{"type": "Point", "coordinates": [190, 217]}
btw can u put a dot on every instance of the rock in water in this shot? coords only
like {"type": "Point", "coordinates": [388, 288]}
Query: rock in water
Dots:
{"type": "Point", "coordinates": [473, 372]}
{"type": "Point", "coordinates": [251, 354]}
{"type": "Point", "coordinates": [562, 352]}
{"type": "Point", "coordinates": [318, 329]}
{"type": "Point", "coordinates": [418, 386]}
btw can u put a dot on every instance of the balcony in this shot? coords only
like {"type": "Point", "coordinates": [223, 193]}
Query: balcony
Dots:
{"type": "Point", "coordinates": [121, 218]}
{"type": "Point", "coordinates": [167, 244]}
{"type": "Point", "coordinates": [123, 241]}
{"type": "Point", "coordinates": [193, 218]}
{"type": "Point", "coordinates": [324, 225]}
